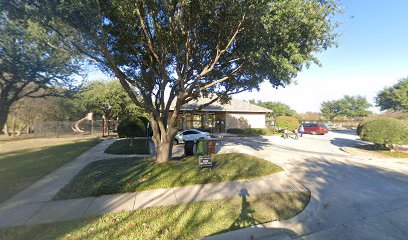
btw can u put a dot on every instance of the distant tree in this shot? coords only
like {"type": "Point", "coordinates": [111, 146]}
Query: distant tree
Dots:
{"type": "Point", "coordinates": [191, 49]}
{"type": "Point", "coordinates": [332, 109]}
{"type": "Point", "coordinates": [33, 61]}
{"type": "Point", "coordinates": [93, 95]}
{"type": "Point", "coordinates": [278, 108]}
{"type": "Point", "coordinates": [348, 106]}
{"type": "Point", "coordinates": [314, 116]}
{"type": "Point", "coordinates": [394, 98]}
{"type": "Point", "coordinates": [356, 106]}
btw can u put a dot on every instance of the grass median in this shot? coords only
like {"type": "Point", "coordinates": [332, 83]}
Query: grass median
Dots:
{"type": "Point", "coordinates": [185, 221]}
{"type": "Point", "coordinates": [129, 146]}
{"type": "Point", "coordinates": [137, 174]}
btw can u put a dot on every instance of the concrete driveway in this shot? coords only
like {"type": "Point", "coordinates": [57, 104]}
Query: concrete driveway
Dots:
{"type": "Point", "coordinates": [352, 197]}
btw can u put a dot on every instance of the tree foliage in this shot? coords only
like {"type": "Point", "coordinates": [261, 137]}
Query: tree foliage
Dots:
{"type": "Point", "coordinates": [33, 61]}
{"type": "Point", "coordinates": [395, 97]}
{"type": "Point", "coordinates": [96, 93]}
{"type": "Point", "coordinates": [348, 106]}
{"type": "Point", "coordinates": [191, 48]}
{"type": "Point", "coordinates": [278, 108]}
{"type": "Point", "coordinates": [286, 122]}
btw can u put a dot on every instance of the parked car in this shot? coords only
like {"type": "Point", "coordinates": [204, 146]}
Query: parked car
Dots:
{"type": "Point", "coordinates": [315, 128]}
{"type": "Point", "coordinates": [190, 135]}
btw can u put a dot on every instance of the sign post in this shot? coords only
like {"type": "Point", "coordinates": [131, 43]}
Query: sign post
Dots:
{"type": "Point", "coordinates": [205, 161]}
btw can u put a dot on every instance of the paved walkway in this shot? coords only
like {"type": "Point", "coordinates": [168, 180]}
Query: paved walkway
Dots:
{"type": "Point", "coordinates": [34, 205]}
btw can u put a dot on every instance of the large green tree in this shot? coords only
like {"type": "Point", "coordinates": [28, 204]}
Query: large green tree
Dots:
{"type": "Point", "coordinates": [33, 61]}
{"type": "Point", "coordinates": [172, 52]}
{"type": "Point", "coordinates": [394, 98]}
{"type": "Point", "coordinates": [278, 108]}
{"type": "Point", "coordinates": [348, 106]}
{"type": "Point", "coordinates": [95, 94]}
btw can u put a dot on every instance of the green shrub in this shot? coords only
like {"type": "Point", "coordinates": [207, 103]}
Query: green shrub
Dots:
{"type": "Point", "coordinates": [252, 131]}
{"type": "Point", "coordinates": [131, 127]}
{"type": "Point", "coordinates": [361, 124]}
{"type": "Point", "coordinates": [235, 130]}
{"type": "Point", "coordinates": [286, 122]}
{"type": "Point", "coordinates": [146, 122]}
{"type": "Point", "coordinates": [384, 131]}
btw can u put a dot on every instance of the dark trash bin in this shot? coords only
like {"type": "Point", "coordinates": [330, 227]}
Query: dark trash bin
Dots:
{"type": "Point", "coordinates": [189, 148]}
{"type": "Point", "coordinates": [202, 147]}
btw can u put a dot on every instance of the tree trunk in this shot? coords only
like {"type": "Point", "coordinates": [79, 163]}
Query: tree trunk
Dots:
{"type": "Point", "coordinates": [3, 115]}
{"type": "Point", "coordinates": [163, 140]}
{"type": "Point", "coordinates": [164, 151]}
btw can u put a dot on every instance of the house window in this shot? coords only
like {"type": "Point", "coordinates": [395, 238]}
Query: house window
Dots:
{"type": "Point", "coordinates": [197, 121]}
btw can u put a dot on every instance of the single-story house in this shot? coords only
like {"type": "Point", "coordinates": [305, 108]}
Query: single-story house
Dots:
{"type": "Point", "coordinates": [219, 117]}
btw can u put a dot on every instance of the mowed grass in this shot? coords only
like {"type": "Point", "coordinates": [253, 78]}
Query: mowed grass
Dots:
{"type": "Point", "coordinates": [186, 221]}
{"type": "Point", "coordinates": [22, 162]}
{"type": "Point", "coordinates": [136, 174]}
{"type": "Point", "coordinates": [129, 146]}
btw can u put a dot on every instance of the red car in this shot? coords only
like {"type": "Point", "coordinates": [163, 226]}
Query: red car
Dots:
{"type": "Point", "coordinates": [315, 128]}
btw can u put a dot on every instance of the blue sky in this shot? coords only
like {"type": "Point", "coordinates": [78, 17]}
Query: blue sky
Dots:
{"type": "Point", "coordinates": [372, 53]}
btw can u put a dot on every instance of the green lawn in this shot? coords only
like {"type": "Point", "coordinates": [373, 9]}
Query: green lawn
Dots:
{"type": "Point", "coordinates": [129, 146]}
{"type": "Point", "coordinates": [25, 161]}
{"type": "Point", "coordinates": [186, 221]}
{"type": "Point", "coordinates": [136, 174]}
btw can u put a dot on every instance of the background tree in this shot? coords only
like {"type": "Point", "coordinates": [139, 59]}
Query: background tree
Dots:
{"type": "Point", "coordinates": [311, 116]}
{"type": "Point", "coordinates": [348, 106]}
{"type": "Point", "coordinates": [278, 108]}
{"type": "Point", "coordinates": [191, 49]}
{"type": "Point", "coordinates": [33, 62]}
{"type": "Point", "coordinates": [394, 98]}
{"type": "Point", "coordinates": [94, 94]}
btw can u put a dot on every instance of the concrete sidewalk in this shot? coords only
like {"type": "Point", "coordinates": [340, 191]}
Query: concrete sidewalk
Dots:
{"type": "Point", "coordinates": [34, 205]}
{"type": "Point", "coordinates": [51, 211]}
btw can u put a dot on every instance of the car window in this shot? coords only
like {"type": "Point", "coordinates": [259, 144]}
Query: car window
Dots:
{"type": "Point", "coordinates": [323, 125]}
{"type": "Point", "coordinates": [313, 125]}
{"type": "Point", "coordinates": [188, 132]}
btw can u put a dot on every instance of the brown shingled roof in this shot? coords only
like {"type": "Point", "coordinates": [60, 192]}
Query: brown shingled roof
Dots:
{"type": "Point", "coordinates": [233, 106]}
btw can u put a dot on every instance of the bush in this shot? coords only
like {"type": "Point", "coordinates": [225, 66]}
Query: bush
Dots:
{"type": "Point", "coordinates": [131, 127]}
{"type": "Point", "coordinates": [285, 122]}
{"type": "Point", "coordinates": [235, 130]}
{"type": "Point", "coordinates": [146, 122]}
{"type": "Point", "coordinates": [384, 131]}
{"type": "Point", "coordinates": [252, 131]}
{"type": "Point", "coordinates": [361, 125]}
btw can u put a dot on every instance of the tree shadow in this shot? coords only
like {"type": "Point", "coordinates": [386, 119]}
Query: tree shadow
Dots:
{"type": "Point", "coordinates": [351, 132]}
{"type": "Point", "coordinates": [345, 142]}
{"type": "Point", "coordinates": [245, 218]}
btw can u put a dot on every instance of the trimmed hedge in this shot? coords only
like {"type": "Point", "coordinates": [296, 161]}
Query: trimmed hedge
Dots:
{"type": "Point", "coordinates": [361, 124]}
{"type": "Point", "coordinates": [252, 131]}
{"type": "Point", "coordinates": [131, 127]}
{"type": "Point", "coordinates": [286, 122]}
{"type": "Point", "coordinates": [384, 131]}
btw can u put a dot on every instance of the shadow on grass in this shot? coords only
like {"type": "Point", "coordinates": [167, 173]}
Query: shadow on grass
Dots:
{"type": "Point", "coordinates": [137, 174]}
{"type": "Point", "coordinates": [246, 217]}
{"type": "Point", "coordinates": [129, 146]}
{"type": "Point", "coordinates": [19, 169]}
{"type": "Point", "coordinates": [185, 221]}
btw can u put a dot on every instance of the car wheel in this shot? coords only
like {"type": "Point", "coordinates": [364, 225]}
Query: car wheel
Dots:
{"type": "Point", "coordinates": [313, 133]}
{"type": "Point", "coordinates": [175, 142]}
{"type": "Point", "coordinates": [201, 138]}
